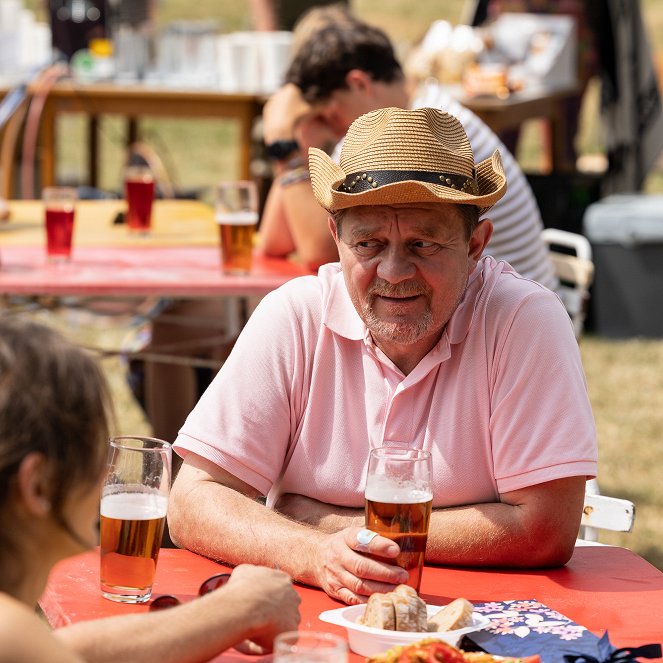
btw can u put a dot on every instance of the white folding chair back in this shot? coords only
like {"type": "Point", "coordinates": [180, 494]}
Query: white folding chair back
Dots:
{"type": "Point", "coordinates": [601, 512]}
{"type": "Point", "coordinates": [575, 271]}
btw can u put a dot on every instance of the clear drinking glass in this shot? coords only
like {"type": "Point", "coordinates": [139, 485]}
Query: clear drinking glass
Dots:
{"type": "Point", "coordinates": [59, 208]}
{"type": "Point", "coordinates": [399, 499]}
{"type": "Point", "coordinates": [134, 501]}
{"type": "Point", "coordinates": [309, 647]}
{"type": "Point", "coordinates": [237, 216]}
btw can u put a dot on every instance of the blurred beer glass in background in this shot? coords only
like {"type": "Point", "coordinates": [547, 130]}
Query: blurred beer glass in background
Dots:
{"type": "Point", "coordinates": [139, 194]}
{"type": "Point", "coordinates": [237, 215]}
{"type": "Point", "coordinates": [399, 498]}
{"type": "Point", "coordinates": [59, 208]}
{"type": "Point", "coordinates": [134, 500]}
{"type": "Point", "coordinates": [309, 647]}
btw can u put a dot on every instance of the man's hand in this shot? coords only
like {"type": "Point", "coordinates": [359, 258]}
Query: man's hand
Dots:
{"type": "Point", "coordinates": [284, 110]}
{"type": "Point", "coordinates": [326, 517]}
{"type": "Point", "coordinates": [271, 601]}
{"type": "Point", "coordinates": [351, 576]}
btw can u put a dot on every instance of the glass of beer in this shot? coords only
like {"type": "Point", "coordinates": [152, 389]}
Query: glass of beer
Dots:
{"type": "Point", "coordinates": [237, 216]}
{"type": "Point", "coordinates": [134, 500]}
{"type": "Point", "coordinates": [309, 647]}
{"type": "Point", "coordinates": [59, 206]}
{"type": "Point", "coordinates": [399, 499]}
{"type": "Point", "coordinates": [139, 194]}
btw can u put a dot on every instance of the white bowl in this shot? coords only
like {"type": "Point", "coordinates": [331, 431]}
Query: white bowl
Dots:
{"type": "Point", "coordinates": [367, 641]}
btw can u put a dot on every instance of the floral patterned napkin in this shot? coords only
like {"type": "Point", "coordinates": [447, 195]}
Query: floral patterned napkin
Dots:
{"type": "Point", "coordinates": [529, 627]}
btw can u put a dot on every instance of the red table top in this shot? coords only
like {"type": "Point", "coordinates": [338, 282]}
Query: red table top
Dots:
{"type": "Point", "coordinates": [193, 271]}
{"type": "Point", "coordinates": [601, 588]}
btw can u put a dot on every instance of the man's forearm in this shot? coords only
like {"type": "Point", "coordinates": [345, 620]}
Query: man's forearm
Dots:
{"type": "Point", "coordinates": [533, 527]}
{"type": "Point", "coordinates": [501, 534]}
{"type": "Point", "coordinates": [325, 517]}
{"type": "Point", "coordinates": [225, 525]}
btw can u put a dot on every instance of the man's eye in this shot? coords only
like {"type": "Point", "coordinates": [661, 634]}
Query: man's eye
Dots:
{"type": "Point", "coordinates": [424, 246]}
{"type": "Point", "coordinates": [366, 245]}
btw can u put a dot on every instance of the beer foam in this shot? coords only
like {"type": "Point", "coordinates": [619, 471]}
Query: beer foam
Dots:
{"type": "Point", "coordinates": [237, 218]}
{"type": "Point", "coordinates": [383, 489]}
{"type": "Point", "coordinates": [134, 506]}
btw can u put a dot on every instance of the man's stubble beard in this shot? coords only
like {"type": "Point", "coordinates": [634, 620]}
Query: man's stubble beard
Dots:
{"type": "Point", "coordinates": [403, 333]}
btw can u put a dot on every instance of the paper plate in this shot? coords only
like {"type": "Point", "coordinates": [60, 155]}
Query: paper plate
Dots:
{"type": "Point", "coordinates": [367, 641]}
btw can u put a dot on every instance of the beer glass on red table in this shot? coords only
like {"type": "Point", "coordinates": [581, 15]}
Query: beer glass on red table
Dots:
{"type": "Point", "coordinates": [399, 499]}
{"type": "Point", "coordinates": [134, 501]}
{"type": "Point", "coordinates": [59, 207]}
{"type": "Point", "coordinates": [237, 215]}
{"type": "Point", "coordinates": [139, 194]}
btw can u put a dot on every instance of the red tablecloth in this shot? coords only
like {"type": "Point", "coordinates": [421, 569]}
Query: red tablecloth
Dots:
{"type": "Point", "coordinates": [141, 271]}
{"type": "Point", "coordinates": [601, 588]}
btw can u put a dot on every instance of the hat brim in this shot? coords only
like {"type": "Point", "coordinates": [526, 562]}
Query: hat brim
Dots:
{"type": "Point", "coordinates": [327, 176]}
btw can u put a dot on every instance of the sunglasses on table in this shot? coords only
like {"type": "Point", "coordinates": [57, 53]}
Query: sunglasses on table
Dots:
{"type": "Point", "coordinates": [169, 601]}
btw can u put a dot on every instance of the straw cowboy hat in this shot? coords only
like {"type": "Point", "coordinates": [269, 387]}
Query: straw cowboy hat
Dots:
{"type": "Point", "coordinates": [392, 156]}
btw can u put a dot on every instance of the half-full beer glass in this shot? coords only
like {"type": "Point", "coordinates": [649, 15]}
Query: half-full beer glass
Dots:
{"type": "Point", "coordinates": [399, 498]}
{"type": "Point", "coordinates": [237, 216]}
{"type": "Point", "coordinates": [134, 500]}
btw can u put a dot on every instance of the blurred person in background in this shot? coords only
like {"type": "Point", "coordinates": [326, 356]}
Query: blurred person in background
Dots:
{"type": "Point", "coordinates": [53, 450]}
{"type": "Point", "coordinates": [343, 70]}
{"type": "Point", "coordinates": [270, 15]}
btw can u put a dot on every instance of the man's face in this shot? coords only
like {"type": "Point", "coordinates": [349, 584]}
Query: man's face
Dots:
{"type": "Point", "coordinates": [343, 107]}
{"type": "Point", "coordinates": [406, 268]}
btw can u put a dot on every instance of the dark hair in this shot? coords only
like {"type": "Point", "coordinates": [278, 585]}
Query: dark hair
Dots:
{"type": "Point", "coordinates": [53, 401]}
{"type": "Point", "coordinates": [322, 62]}
{"type": "Point", "coordinates": [470, 215]}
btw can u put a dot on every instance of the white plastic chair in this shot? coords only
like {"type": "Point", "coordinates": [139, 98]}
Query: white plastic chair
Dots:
{"type": "Point", "coordinates": [575, 271]}
{"type": "Point", "coordinates": [601, 512]}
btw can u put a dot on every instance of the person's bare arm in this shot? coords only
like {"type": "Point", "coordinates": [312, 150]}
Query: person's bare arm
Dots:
{"type": "Point", "coordinates": [274, 238]}
{"type": "Point", "coordinates": [532, 527]}
{"type": "Point", "coordinates": [215, 514]}
{"type": "Point", "coordinates": [263, 15]}
{"type": "Point", "coordinates": [255, 605]}
{"type": "Point", "coordinates": [307, 222]}
{"type": "Point", "coordinates": [293, 221]}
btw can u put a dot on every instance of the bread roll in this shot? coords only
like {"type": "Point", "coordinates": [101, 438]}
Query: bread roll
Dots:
{"type": "Point", "coordinates": [400, 610]}
{"type": "Point", "coordinates": [456, 614]}
{"type": "Point", "coordinates": [379, 612]}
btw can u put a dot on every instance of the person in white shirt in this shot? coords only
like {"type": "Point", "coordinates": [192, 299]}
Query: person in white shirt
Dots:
{"type": "Point", "coordinates": [344, 70]}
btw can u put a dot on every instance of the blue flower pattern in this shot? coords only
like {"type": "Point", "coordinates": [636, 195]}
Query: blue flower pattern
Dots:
{"type": "Point", "coordinates": [523, 618]}
{"type": "Point", "coordinates": [526, 626]}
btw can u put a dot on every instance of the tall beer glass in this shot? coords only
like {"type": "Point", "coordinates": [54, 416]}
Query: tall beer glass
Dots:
{"type": "Point", "coordinates": [237, 216]}
{"type": "Point", "coordinates": [134, 500]}
{"type": "Point", "coordinates": [399, 498]}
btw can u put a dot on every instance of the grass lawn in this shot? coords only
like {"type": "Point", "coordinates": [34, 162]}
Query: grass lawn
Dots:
{"type": "Point", "coordinates": [625, 378]}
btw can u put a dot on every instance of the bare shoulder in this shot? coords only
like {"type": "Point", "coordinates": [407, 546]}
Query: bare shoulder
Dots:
{"type": "Point", "coordinates": [25, 638]}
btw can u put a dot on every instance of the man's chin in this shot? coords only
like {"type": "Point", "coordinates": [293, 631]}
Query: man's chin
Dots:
{"type": "Point", "coordinates": [398, 331]}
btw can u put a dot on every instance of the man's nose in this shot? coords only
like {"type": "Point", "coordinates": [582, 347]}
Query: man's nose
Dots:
{"type": "Point", "coordinates": [396, 265]}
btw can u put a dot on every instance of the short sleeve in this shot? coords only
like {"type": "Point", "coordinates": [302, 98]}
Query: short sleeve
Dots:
{"type": "Point", "coordinates": [542, 427]}
{"type": "Point", "coordinates": [245, 419]}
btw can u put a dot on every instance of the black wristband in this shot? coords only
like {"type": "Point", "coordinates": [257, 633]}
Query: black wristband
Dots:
{"type": "Point", "coordinates": [281, 149]}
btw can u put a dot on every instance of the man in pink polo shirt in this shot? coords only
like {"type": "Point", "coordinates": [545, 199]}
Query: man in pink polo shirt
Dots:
{"type": "Point", "coordinates": [412, 340]}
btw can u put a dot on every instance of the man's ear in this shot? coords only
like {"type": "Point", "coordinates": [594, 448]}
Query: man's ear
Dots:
{"type": "Point", "coordinates": [480, 238]}
{"type": "Point", "coordinates": [359, 81]}
{"type": "Point", "coordinates": [332, 228]}
{"type": "Point", "coordinates": [34, 484]}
